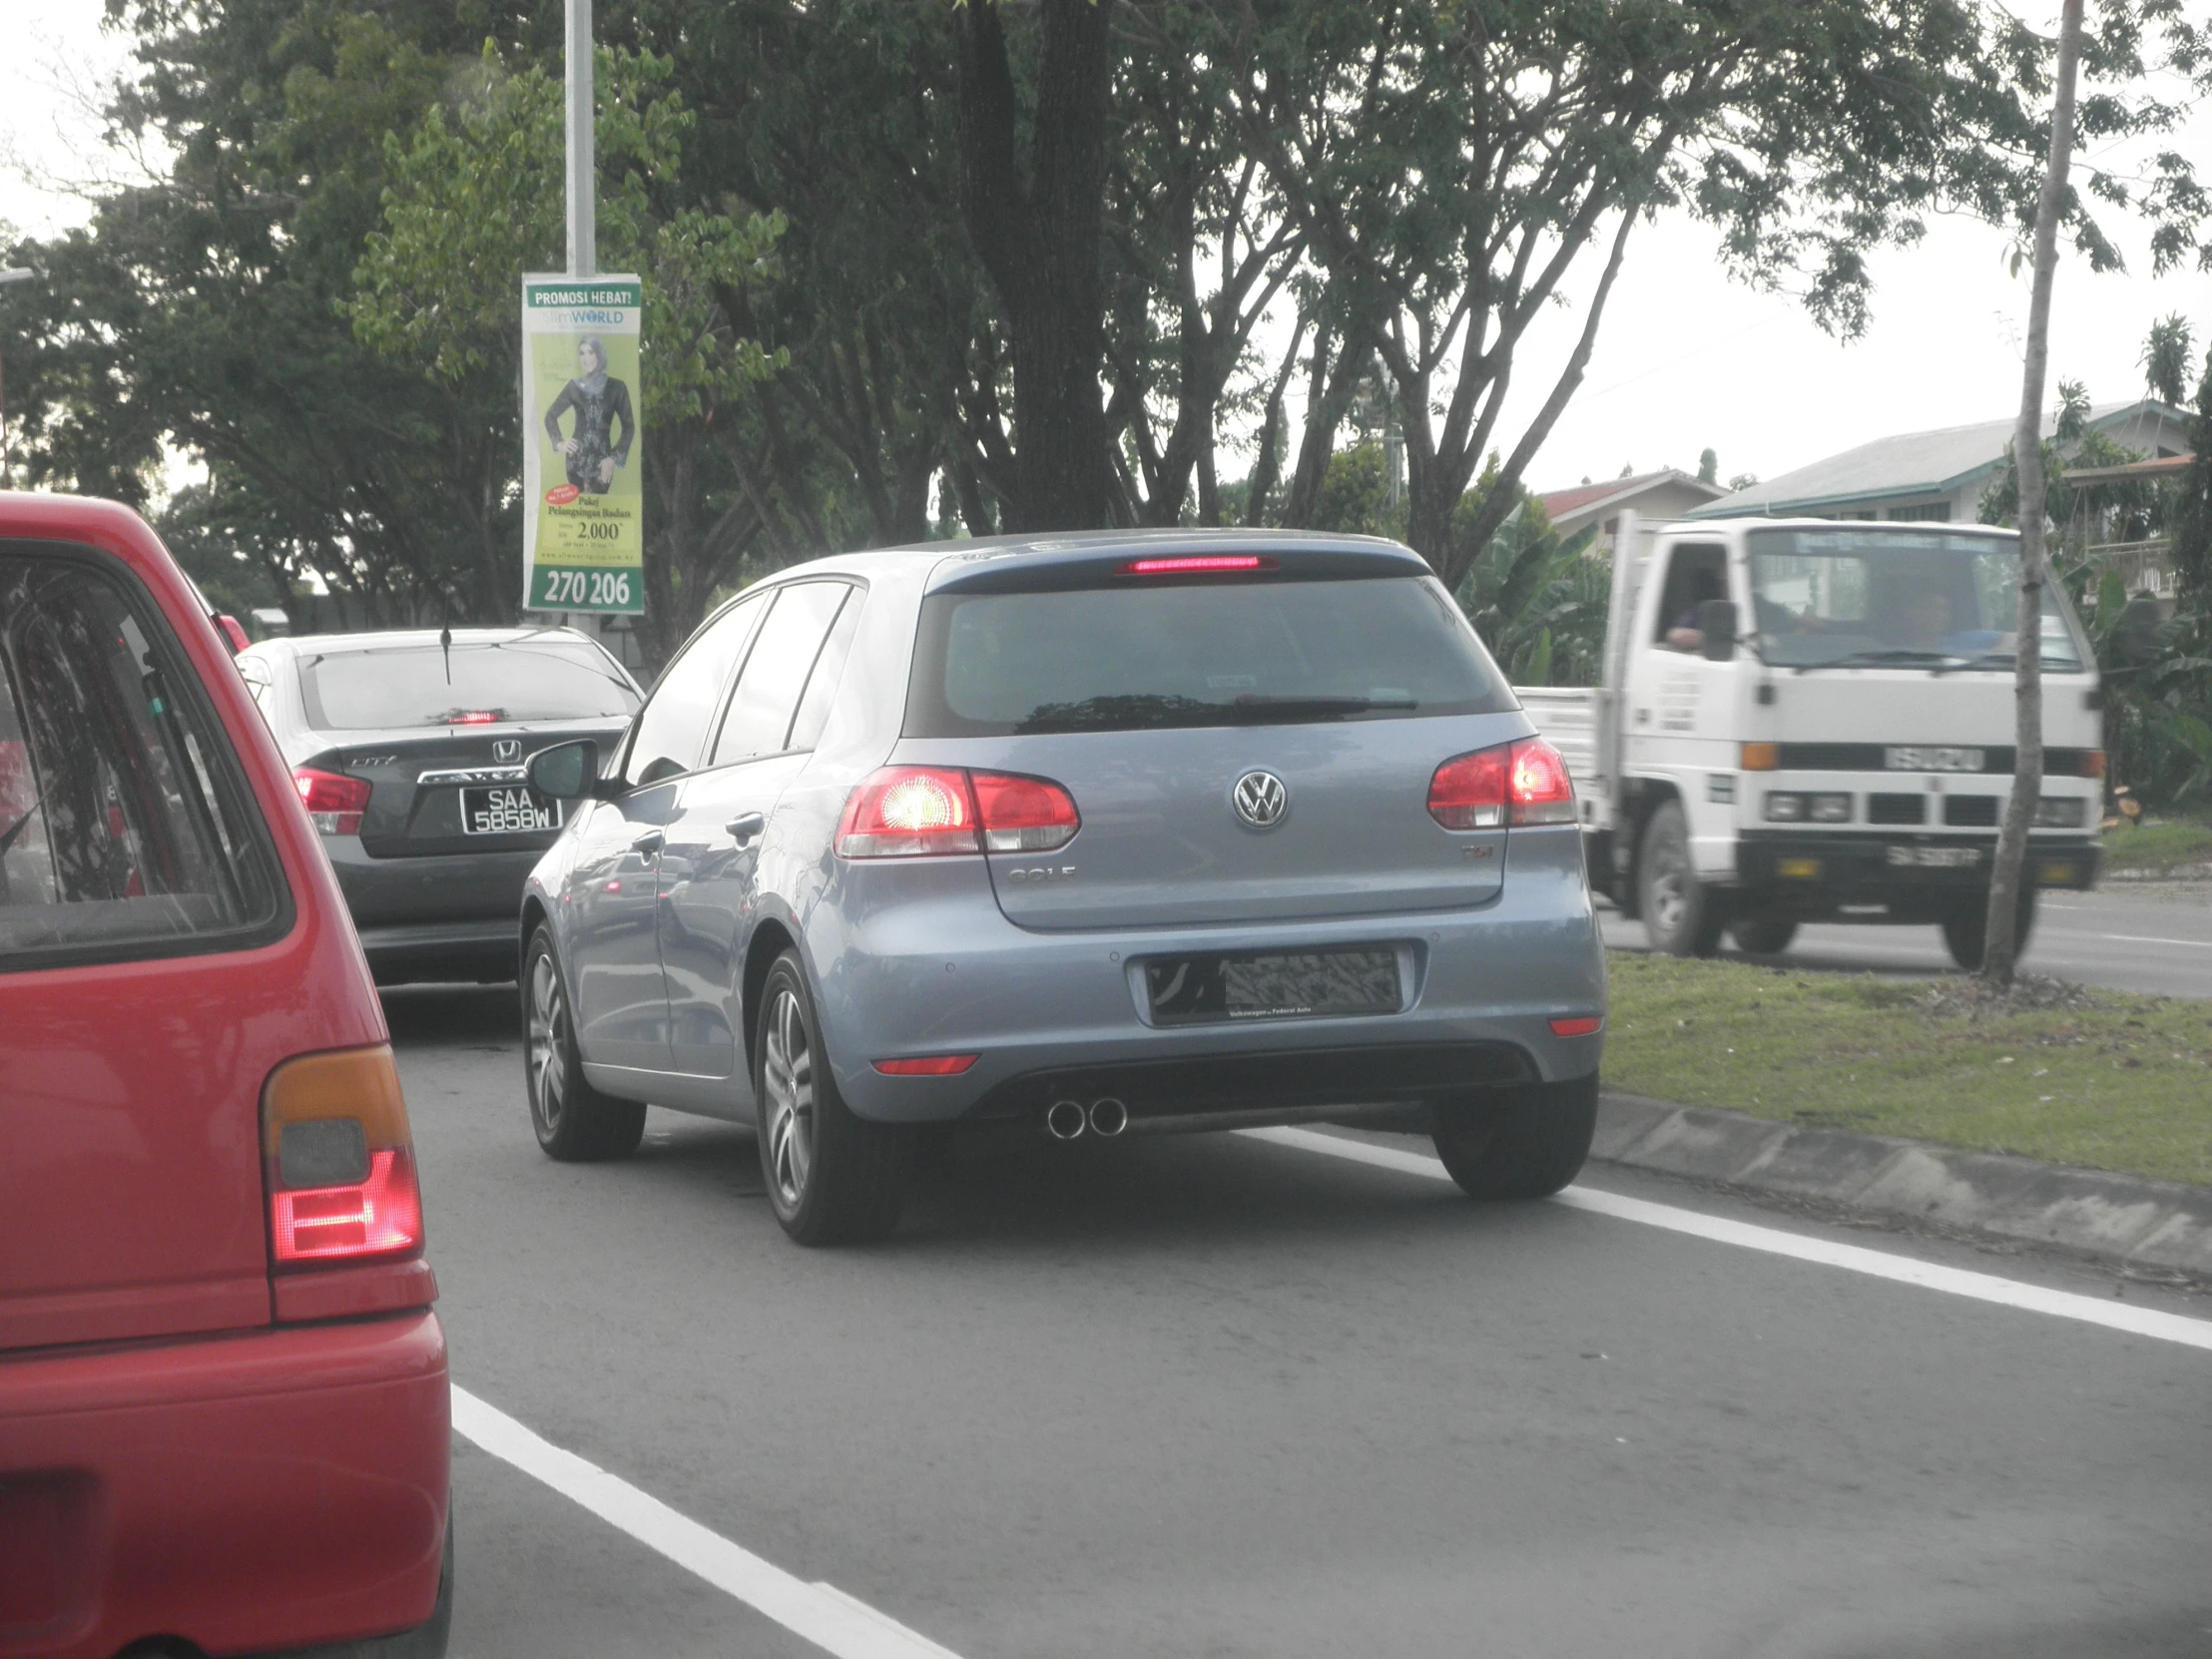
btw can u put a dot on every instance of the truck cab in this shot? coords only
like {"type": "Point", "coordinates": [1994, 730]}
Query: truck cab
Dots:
{"type": "Point", "coordinates": [1812, 720]}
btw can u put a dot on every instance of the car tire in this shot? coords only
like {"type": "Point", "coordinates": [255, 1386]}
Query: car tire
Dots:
{"type": "Point", "coordinates": [1966, 929]}
{"type": "Point", "coordinates": [1518, 1143]}
{"type": "Point", "coordinates": [1681, 914]}
{"type": "Point", "coordinates": [574, 1122]}
{"type": "Point", "coordinates": [833, 1176]}
{"type": "Point", "coordinates": [1764, 935]}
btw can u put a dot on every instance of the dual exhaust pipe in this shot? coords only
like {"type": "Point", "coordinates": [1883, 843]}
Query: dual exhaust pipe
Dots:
{"type": "Point", "coordinates": [1070, 1120]}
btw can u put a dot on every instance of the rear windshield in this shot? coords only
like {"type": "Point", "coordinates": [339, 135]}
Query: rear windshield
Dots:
{"type": "Point", "coordinates": [1209, 653]}
{"type": "Point", "coordinates": [126, 830]}
{"type": "Point", "coordinates": [415, 684]}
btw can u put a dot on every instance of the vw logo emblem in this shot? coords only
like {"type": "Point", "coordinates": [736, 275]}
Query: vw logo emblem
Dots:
{"type": "Point", "coordinates": [1261, 799]}
{"type": "Point", "coordinates": [506, 748]}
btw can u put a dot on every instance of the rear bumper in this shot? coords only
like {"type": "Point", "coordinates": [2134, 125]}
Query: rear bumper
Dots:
{"type": "Point", "coordinates": [273, 1489]}
{"type": "Point", "coordinates": [475, 949]}
{"type": "Point", "coordinates": [1813, 872]}
{"type": "Point", "coordinates": [944, 972]}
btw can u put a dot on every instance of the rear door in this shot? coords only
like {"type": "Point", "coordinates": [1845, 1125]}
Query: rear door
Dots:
{"type": "Point", "coordinates": [137, 1024]}
{"type": "Point", "coordinates": [1242, 745]}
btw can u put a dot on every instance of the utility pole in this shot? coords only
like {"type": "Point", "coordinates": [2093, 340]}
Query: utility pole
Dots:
{"type": "Point", "coordinates": [583, 196]}
{"type": "Point", "coordinates": [2008, 872]}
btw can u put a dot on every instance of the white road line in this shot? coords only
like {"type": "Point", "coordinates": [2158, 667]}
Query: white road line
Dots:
{"type": "Point", "coordinates": [1903, 1270]}
{"type": "Point", "coordinates": [822, 1613]}
{"type": "Point", "coordinates": [2141, 938]}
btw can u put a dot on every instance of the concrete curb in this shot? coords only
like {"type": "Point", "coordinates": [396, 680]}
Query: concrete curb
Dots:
{"type": "Point", "coordinates": [2129, 1219]}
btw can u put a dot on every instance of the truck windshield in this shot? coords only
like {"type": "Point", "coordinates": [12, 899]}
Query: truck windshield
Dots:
{"type": "Point", "coordinates": [1868, 597]}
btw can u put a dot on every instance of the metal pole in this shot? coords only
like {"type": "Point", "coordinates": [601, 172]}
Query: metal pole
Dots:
{"type": "Point", "coordinates": [583, 201]}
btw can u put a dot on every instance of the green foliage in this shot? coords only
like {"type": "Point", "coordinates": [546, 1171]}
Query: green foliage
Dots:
{"type": "Point", "coordinates": [1354, 495]}
{"type": "Point", "coordinates": [1538, 599]}
{"type": "Point", "coordinates": [2192, 515]}
{"type": "Point", "coordinates": [2165, 359]}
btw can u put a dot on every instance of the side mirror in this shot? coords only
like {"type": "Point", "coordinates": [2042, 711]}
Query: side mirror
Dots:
{"type": "Point", "coordinates": [1716, 620]}
{"type": "Point", "coordinates": [566, 772]}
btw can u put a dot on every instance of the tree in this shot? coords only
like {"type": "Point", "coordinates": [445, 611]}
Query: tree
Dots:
{"type": "Point", "coordinates": [2193, 512]}
{"type": "Point", "coordinates": [475, 201]}
{"type": "Point", "coordinates": [2001, 937]}
{"type": "Point", "coordinates": [2165, 359]}
{"type": "Point", "coordinates": [1451, 165]}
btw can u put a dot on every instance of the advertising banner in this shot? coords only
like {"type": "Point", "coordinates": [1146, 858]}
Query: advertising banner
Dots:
{"type": "Point", "coordinates": [583, 538]}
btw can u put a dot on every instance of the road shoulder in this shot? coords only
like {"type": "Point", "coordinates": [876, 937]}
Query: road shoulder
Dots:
{"type": "Point", "coordinates": [2132, 1220]}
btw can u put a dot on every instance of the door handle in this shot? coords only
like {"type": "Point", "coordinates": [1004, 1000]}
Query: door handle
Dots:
{"type": "Point", "coordinates": [745, 825]}
{"type": "Point", "coordinates": [648, 844]}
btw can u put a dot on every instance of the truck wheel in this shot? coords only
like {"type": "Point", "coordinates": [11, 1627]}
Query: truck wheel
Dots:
{"type": "Point", "coordinates": [1682, 915]}
{"type": "Point", "coordinates": [1524, 1142]}
{"type": "Point", "coordinates": [1966, 929]}
{"type": "Point", "coordinates": [1764, 935]}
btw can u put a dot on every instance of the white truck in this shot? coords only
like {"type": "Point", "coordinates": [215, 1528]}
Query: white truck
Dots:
{"type": "Point", "coordinates": [1809, 720]}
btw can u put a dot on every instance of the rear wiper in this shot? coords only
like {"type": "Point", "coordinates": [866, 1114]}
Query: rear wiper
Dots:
{"type": "Point", "coordinates": [1254, 706]}
{"type": "Point", "coordinates": [1128, 710]}
{"type": "Point", "coordinates": [1895, 656]}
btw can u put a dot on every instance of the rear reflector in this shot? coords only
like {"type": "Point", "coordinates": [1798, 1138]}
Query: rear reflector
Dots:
{"type": "Point", "coordinates": [338, 1156]}
{"type": "Point", "coordinates": [934, 1065]}
{"type": "Point", "coordinates": [1578, 1025]}
{"type": "Point", "coordinates": [910, 811]}
{"type": "Point", "coordinates": [1521, 783]}
{"type": "Point", "coordinates": [1200, 564]}
{"type": "Point", "coordinates": [334, 801]}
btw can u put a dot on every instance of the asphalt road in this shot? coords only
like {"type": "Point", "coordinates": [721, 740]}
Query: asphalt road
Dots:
{"type": "Point", "coordinates": [1224, 1397]}
{"type": "Point", "coordinates": [2134, 937]}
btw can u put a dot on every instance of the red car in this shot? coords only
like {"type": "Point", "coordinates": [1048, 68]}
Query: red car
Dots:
{"type": "Point", "coordinates": [223, 1409]}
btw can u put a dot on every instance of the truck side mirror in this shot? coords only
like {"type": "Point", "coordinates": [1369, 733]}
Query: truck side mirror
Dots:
{"type": "Point", "coordinates": [566, 772]}
{"type": "Point", "coordinates": [1716, 620]}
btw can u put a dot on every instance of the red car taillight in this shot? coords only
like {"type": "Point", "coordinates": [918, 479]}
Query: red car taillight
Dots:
{"type": "Point", "coordinates": [1522, 783]}
{"type": "Point", "coordinates": [335, 801]}
{"type": "Point", "coordinates": [340, 1158]}
{"type": "Point", "coordinates": [910, 811]}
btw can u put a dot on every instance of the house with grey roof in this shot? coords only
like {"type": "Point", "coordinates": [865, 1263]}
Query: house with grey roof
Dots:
{"type": "Point", "coordinates": [1667, 493]}
{"type": "Point", "coordinates": [1934, 476]}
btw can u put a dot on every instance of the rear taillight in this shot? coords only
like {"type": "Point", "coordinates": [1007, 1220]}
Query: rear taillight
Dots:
{"type": "Point", "coordinates": [335, 801]}
{"type": "Point", "coordinates": [1023, 814]}
{"type": "Point", "coordinates": [1516, 784]}
{"type": "Point", "coordinates": [912, 811]}
{"type": "Point", "coordinates": [1539, 790]}
{"type": "Point", "coordinates": [340, 1161]}
{"type": "Point", "coordinates": [233, 635]}
{"type": "Point", "coordinates": [475, 717]}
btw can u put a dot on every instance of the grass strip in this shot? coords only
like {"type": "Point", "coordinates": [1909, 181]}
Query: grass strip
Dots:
{"type": "Point", "coordinates": [2107, 1079]}
{"type": "Point", "coordinates": [2161, 848]}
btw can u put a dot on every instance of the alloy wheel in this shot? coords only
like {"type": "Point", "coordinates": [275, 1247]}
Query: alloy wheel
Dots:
{"type": "Point", "coordinates": [787, 1078]}
{"type": "Point", "coordinates": [548, 1045]}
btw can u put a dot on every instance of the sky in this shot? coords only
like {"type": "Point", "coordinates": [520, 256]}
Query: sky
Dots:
{"type": "Point", "coordinates": [1686, 359]}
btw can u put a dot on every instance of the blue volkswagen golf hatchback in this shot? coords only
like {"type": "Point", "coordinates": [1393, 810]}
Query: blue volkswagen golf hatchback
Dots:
{"type": "Point", "coordinates": [1096, 834]}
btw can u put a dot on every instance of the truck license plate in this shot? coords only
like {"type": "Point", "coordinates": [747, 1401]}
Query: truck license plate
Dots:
{"type": "Point", "coordinates": [511, 809]}
{"type": "Point", "coordinates": [1916, 757]}
{"type": "Point", "coordinates": [1937, 857]}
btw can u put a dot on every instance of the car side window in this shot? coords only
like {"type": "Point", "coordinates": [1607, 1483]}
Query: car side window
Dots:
{"type": "Point", "coordinates": [822, 683]}
{"type": "Point", "coordinates": [672, 728]}
{"type": "Point", "coordinates": [759, 717]}
{"type": "Point", "coordinates": [125, 829]}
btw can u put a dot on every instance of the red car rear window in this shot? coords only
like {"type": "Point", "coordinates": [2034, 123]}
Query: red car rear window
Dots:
{"type": "Point", "coordinates": [126, 830]}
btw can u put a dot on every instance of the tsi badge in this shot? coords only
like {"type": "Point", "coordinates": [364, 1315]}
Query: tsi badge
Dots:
{"type": "Point", "coordinates": [1044, 872]}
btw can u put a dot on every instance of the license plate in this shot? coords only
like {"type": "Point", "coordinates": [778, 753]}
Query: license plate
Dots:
{"type": "Point", "coordinates": [1935, 857]}
{"type": "Point", "coordinates": [1916, 759]}
{"type": "Point", "coordinates": [508, 809]}
{"type": "Point", "coordinates": [1213, 989]}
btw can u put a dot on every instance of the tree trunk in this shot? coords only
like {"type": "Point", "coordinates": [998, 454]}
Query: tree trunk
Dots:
{"type": "Point", "coordinates": [2002, 949]}
{"type": "Point", "coordinates": [1037, 231]}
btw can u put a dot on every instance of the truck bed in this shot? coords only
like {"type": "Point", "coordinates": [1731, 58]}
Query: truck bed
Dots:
{"type": "Point", "coordinates": [1566, 717]}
